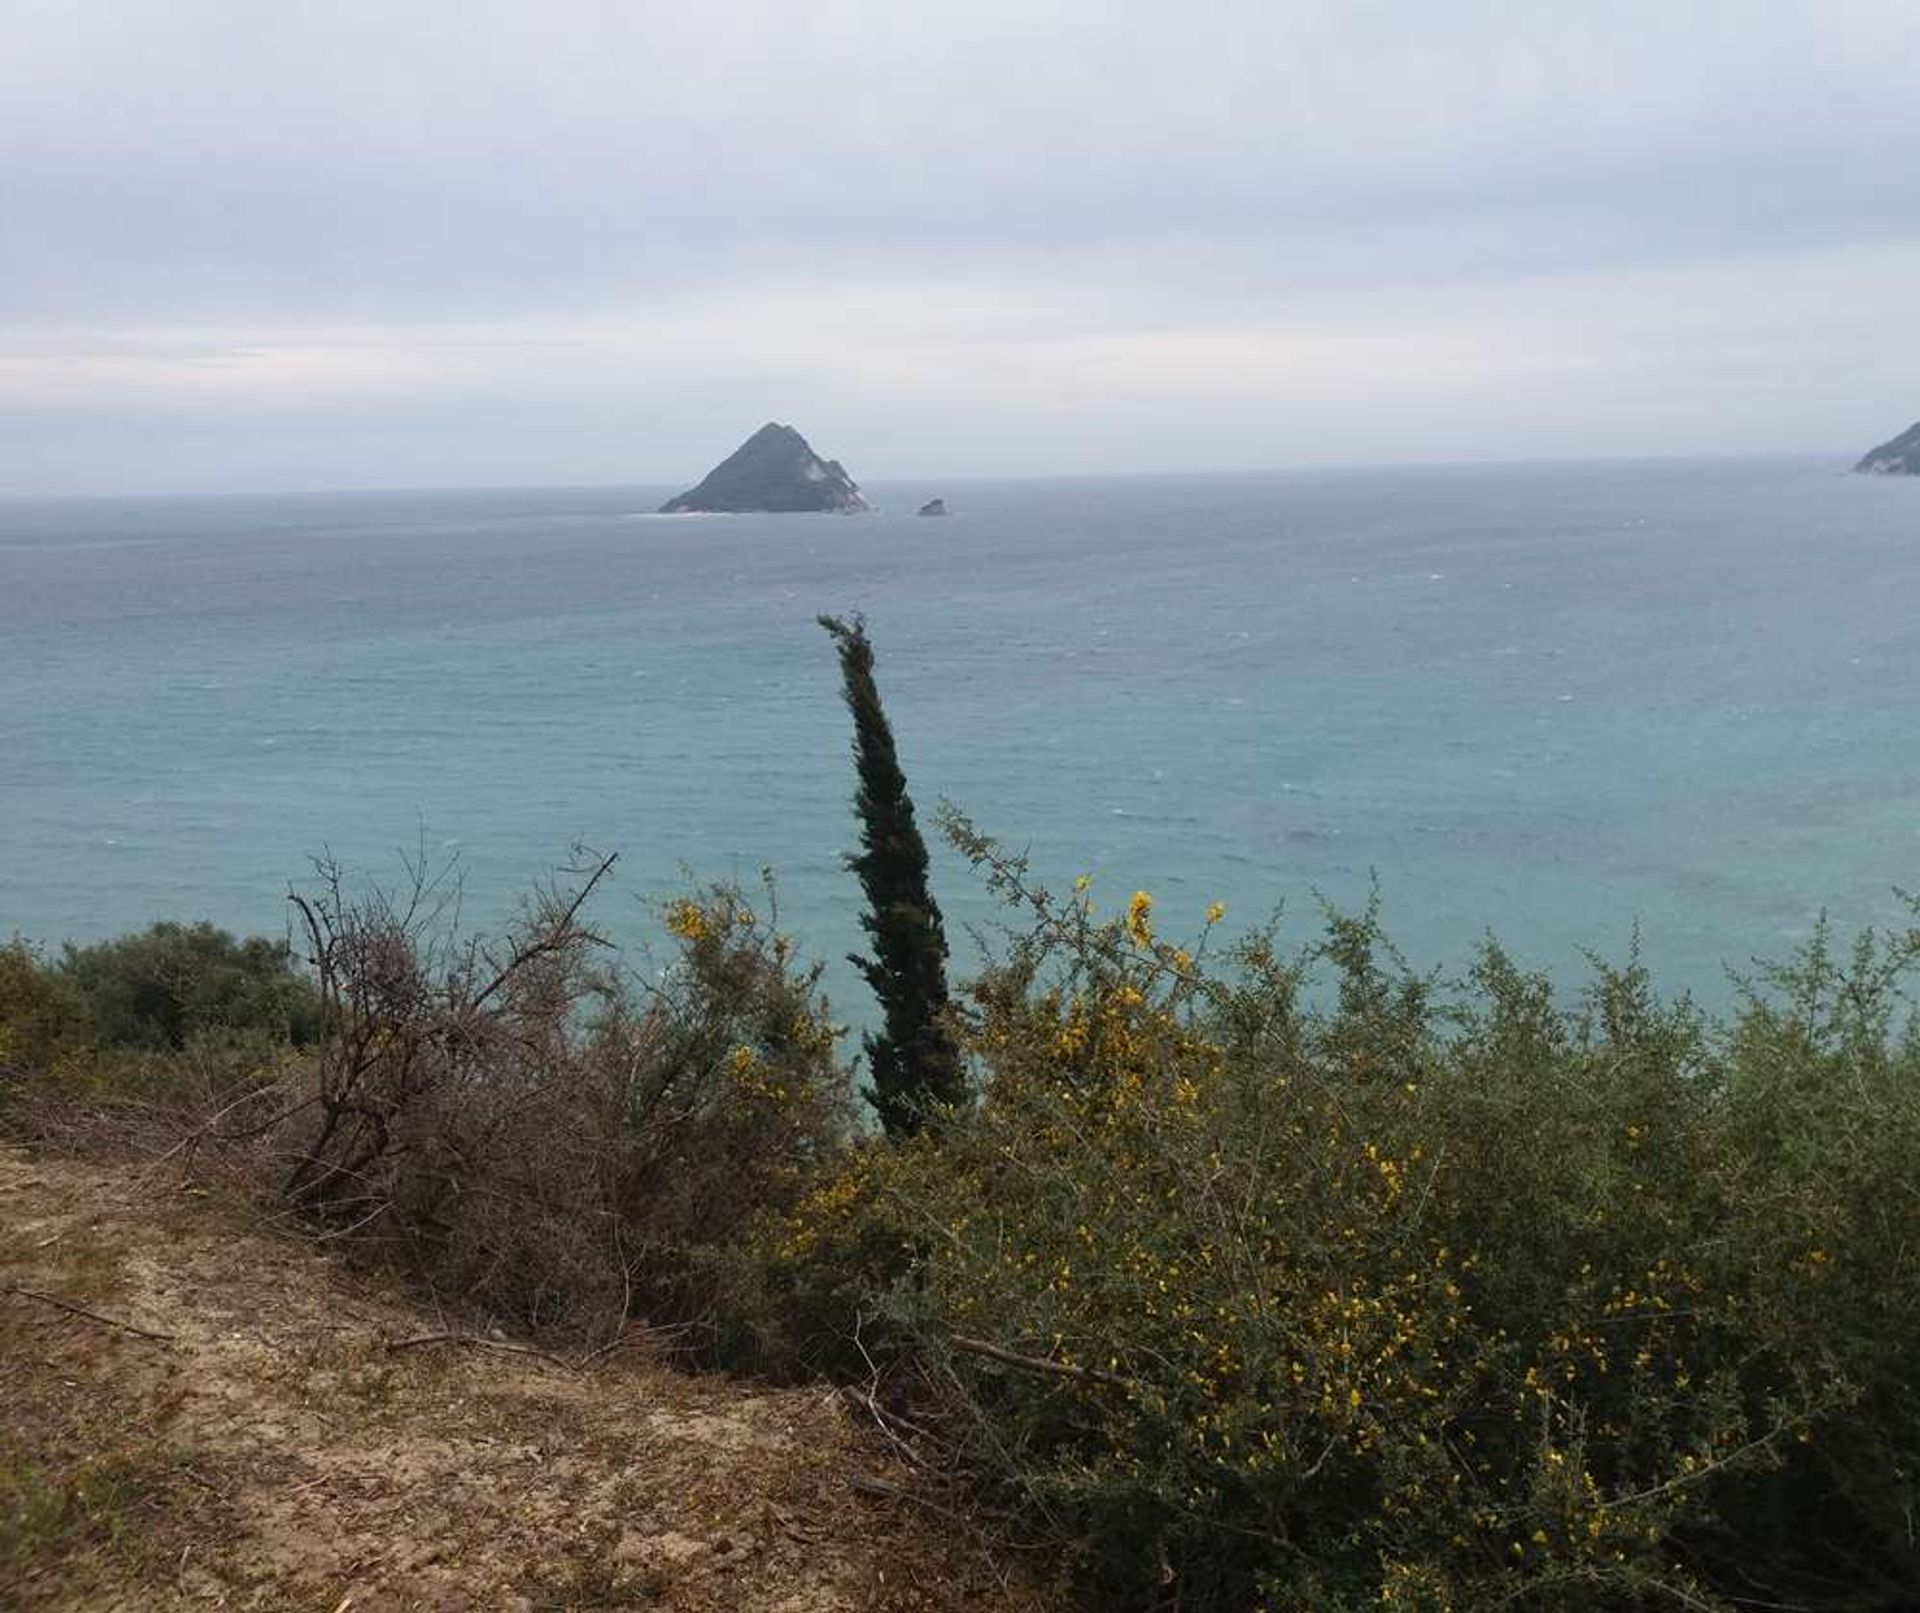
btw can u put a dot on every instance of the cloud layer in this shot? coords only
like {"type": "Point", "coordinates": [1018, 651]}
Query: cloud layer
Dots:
{"type": "Point", "coordinates": [404, 244]}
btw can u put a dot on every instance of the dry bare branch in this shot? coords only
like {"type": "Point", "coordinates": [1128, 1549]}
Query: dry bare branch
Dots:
{"type": "Point", "coordinates": [91, 1316]}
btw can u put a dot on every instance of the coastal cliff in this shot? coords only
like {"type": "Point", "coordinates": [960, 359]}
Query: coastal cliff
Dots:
{"type": "Point", "coordinates": [1900, 456]}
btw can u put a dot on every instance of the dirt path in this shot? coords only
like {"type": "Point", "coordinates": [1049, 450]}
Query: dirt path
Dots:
{"type": "Point", "coordinates": [272, 1451]}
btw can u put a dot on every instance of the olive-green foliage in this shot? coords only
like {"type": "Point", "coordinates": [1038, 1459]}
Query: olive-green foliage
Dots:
{"type": "Point", "coordinates": [1342, 1289]}
{"type": "Point", "coordinates": [43, 1016]}
{"type": "Point", "coordinates": [913, 1064]}
{"type": "Point", "coordinates": [734, 1096]}
{"type": "Point", "coordinates": [163, 986]}
{"type": "Point", "coordinates": [144, 1032]}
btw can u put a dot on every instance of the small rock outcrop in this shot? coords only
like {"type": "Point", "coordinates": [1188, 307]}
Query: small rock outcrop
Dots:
{"type": "Point", "coordinates": [1899, 457]}
{"type": "Point", "coordinates": [774, 470]}
{"type": "Point", "coordinates": [934, 506]}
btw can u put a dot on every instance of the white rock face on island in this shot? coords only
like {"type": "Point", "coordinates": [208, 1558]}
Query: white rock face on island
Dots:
{"type": "Point", "coordinates": [773, 471]}
{"type": "Point", "coordinates": [1898, 457]}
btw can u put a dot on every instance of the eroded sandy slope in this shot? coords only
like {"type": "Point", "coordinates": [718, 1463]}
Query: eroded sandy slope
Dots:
{"type": "Point", "coordinates": [273, 1451]}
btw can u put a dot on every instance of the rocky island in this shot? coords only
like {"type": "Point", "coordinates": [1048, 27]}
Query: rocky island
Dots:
{"type": "Point", "coordinates": [934, 506]}
{"type": "Point", "coordinates": [775, 470]}
{"type": "Point", "coordinates": [1898, 457]}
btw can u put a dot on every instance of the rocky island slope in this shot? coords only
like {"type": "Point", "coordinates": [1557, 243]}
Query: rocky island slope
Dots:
{"type": "Point", "coordinates": [773, 471]}
{"type": "Point", "coordinates": [1898, 457]}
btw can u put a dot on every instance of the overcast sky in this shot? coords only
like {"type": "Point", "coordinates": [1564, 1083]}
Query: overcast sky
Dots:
{"type": "Point", "coordinates": [374, 243]}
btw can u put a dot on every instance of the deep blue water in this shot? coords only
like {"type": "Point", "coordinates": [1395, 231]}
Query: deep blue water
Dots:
{"type": "Point", "coordinates": [1553, 700]}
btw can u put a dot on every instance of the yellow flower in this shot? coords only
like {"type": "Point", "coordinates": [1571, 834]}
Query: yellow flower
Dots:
{"type": "Point", "coordinates": [686, 920]}
{"type": "Point", "coordinates": [1083, 883]}
{"type": "Point", "coordinates": [1139, 918]}
{"type": "Point", "coordinates": [1216, 911]}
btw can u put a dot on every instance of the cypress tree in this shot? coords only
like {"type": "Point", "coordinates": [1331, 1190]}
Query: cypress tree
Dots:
{"type": "Point", "coordinates": [913, 1062]}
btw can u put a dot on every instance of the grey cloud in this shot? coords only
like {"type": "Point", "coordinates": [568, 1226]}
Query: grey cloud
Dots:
{"type": "Point", "coordinates": [187, 156]}
{"type": "Point", "coordinates": [218, 207]}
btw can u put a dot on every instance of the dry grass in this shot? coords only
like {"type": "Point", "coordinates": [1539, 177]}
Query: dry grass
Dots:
{"type": "Point", "coordinates": [273, 1451]}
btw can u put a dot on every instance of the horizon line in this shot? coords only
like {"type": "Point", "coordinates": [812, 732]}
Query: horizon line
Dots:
{"type": "Point", "coordinates": [1843, 460]}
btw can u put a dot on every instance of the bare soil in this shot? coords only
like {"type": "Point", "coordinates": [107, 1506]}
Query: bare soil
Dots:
{"type": "Point", "coordinates": [271, 1449]}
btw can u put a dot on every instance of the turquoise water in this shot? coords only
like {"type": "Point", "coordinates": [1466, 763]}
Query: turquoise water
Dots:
{"type": "Point", "coordinates": [1556, 700]}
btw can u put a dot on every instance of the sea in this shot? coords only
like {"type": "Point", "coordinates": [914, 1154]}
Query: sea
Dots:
{"type": "Point", "coordinates": [1587, 708]}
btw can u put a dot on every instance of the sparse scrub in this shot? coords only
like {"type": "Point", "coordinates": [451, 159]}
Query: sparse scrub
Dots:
{"type": "Point", "coordinates": [541, 1139]}
{"type": "Point", "coordinates": [1252, 1278]}
{"type": "Point", "coordinates": [113, 1498]}
{"type": "Point", "coordinates": [89, 1492]}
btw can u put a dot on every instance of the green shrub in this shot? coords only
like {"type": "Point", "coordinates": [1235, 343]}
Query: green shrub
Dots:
{"type": "Point", "coordinates": [734, 1095]}
{"type": "Point", "coordinates": [1303, 1282]}
{"type": "Point", "coordinates": [43, 1017]}
{"type": "Point", "coordinates": [43, 1028]}
{"type": "Point", "coordinates": [162, 987]}
{"type": "Point", "coordinates": [146, 1034]}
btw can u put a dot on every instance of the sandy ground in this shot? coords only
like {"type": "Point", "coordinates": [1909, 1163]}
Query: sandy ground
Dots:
{"type": "Point", "coordinates": [272, 1450]}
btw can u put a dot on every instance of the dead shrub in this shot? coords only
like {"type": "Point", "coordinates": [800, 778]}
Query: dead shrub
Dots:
{"type": "Point", "coordinates": [538, 1136]}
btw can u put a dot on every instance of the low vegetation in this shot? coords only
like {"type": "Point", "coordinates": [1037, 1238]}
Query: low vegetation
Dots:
{"type": "Point", "coordinates": [1254, 1277]}
{"type": "Point", "coordinates": [149, 1028]}
{"type": "Point", "coordinates": [1300, 1281]}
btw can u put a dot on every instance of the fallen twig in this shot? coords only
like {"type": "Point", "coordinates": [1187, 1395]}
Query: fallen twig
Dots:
{"type": "Point", "coordinates": [1037, 1363]}
{"type": "Point", "coordinates": [605, 1350]}
{"type": "Point", "coordinates": [632, 1337]}
{"type": "Point", "coordinates": [866, 1400]}
{"type": "Point", "coordinates": [868, 1484]}
{"type": "Point", "coordinates": [91, 1316]}
{"type": "Point", "coordinates": [206, 1129]}
{"type": "Point", "coordinates": [475, 1342]}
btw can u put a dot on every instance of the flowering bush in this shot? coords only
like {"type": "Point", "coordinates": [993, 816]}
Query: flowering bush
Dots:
{"type": "Point", "coordinates": [732, 1096]}
{"type": "Point", "coordinates": [1300, 1282]}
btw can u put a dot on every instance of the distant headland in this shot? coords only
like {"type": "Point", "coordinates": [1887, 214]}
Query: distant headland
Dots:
{"type": "Point", "coordinates": [1898, 457]}
{"type": "Point", "coordinates": [775, 470]}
